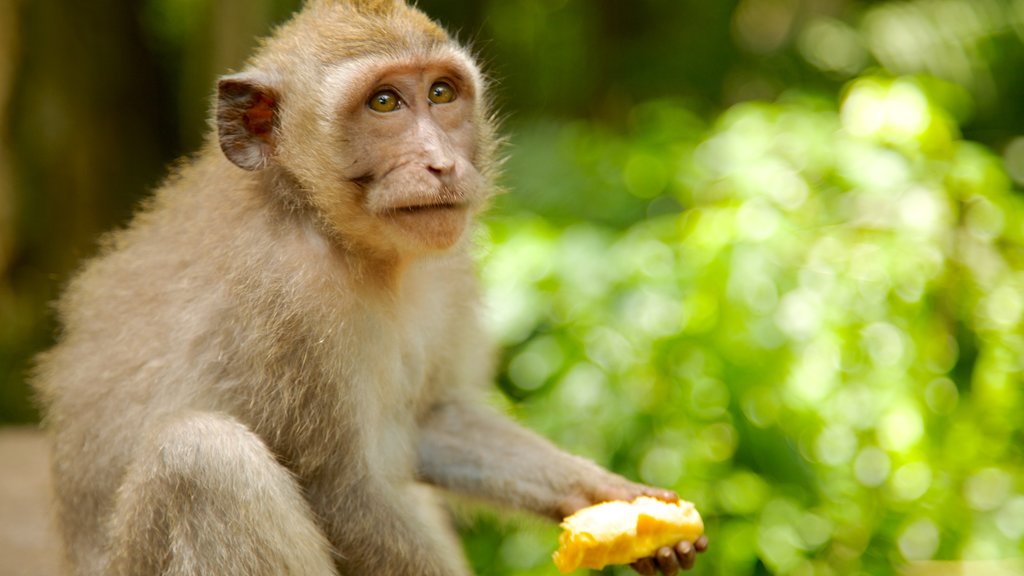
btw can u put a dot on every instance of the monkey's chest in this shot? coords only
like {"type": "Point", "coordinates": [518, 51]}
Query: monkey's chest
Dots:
{"type": "Point", "coordinates": [396, 392]}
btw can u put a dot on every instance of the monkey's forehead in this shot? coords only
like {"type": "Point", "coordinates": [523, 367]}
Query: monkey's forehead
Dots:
{"type": "Point", "coordinates": [339, 31]}
{"type": "Point", "coordinates": [448, 59]}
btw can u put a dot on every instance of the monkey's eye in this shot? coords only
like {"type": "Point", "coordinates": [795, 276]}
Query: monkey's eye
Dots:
{"type": "Point", "coordinates": [442, 93]}
{"type": "Point", "coordinates": [384, 101]}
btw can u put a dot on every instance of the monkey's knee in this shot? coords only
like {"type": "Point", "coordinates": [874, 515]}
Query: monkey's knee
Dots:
{"type": "Point", "coordinates": [205, 496]}
{"type": "Point", "coordinates": [215, 449]}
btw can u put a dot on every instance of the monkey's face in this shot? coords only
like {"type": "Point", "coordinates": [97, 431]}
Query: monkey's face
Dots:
{"type": "Point", "coordinates": [376, 114]}
{"type": "Point", "coordinates": [406, 145]}
{"type": "Point", "coordinates": [391, 150]}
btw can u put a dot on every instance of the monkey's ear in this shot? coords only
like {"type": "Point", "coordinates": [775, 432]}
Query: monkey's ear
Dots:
{"type": "Point", "coordinates": [247, 119]}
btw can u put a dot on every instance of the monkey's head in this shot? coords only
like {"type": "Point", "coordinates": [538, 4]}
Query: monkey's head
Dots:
{"type": "Point", "coordinates": [378, 116]}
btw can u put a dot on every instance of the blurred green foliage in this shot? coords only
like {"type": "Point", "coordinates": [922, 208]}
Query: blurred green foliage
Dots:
{"type": "Point", "coordinates": [768, 253]}
{"type": "Point", "coordinates": [813, 329]}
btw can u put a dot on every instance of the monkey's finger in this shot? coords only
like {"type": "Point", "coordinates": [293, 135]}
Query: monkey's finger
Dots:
{"type": "Point", "coordinates": [701, 544]}
{"type": "Point", "coordinates": [644, 566]}
{"type": "Point", "coordinates": [686, 554]}
{"type": "Point", "coordinates": [661, 494]}
{"type": "Point", "coordinates": [667, 561]}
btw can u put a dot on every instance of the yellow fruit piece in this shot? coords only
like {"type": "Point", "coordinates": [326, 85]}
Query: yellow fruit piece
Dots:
{"type": "Point", "coordinates": [623, 532]}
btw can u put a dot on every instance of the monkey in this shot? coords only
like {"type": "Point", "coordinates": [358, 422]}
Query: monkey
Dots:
{"type": "Point", "coordinates": [279, 365]}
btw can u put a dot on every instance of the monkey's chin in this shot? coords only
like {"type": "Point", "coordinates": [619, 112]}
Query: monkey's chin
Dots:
{"type": "Point", "coordinates": [429, 228]}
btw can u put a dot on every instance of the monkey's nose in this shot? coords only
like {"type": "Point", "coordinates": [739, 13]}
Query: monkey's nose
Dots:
{"type": "Point", "coordinates": [442, 168]}
{"type": "Point", "coordinates": [438, 170]}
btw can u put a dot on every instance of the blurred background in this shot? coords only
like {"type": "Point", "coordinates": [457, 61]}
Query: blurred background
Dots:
{"type": "Point", "coordinates": [769, 253]}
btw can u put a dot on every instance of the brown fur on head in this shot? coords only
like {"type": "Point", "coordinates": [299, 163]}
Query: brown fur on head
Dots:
{"type": "Point", "coordinates": [395, 186]}
{"type": "Point", "coordinates": [346, 29]}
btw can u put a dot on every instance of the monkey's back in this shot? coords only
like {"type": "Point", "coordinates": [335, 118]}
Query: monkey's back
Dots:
{"type": "Point", "coordinates": [131, 319]}
{"type": "Point", "coordinates": [142, 330]}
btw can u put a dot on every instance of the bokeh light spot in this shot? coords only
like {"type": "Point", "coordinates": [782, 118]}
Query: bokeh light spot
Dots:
{"type": "Point", "coordinates": [815, 530]}
{"type": "Point", "coordinates": [884, 343]}
{"type": "Point", "coordinates": [896, 112]}
{"type": "Point", "coordinates": [836, 445]}
{"type": "Point", "coordinates": [911, 481]}
{"type": "Point", "coordinates": [709, 398]}
{"type": "Point", "coordinates": [1010, 519]}
{"type": "Point", "coordinates": [920, 540]}
{"type": "Point", "coordinates": [987, 489]}
{"type": "Point", "coordinates": [923, 209]}
{"type": "Point", "coordinates": [832, 46]}
{"type": "Point", "coordinates": [743, 493]}
{"type": "Point", "coordinates": [718, 441]}
{"type": "Point", "coordinates": [645, 175]}
{"type": "Point", "coordinates": [799, 314]}
{"type": "Point", "coordinates": [1004, 307]}
{"type": "Point", "coordinates": [662, 466]}
{"type": "Point", "coordinates": [1013, 159]}
{"type": "Point", "coordinates": [761, 406]}
{"type": "Point", "coordinates": [984, 219]}
{"type": "Point", "coordinates": [582, 387]}
{"type": "Point", "coordinates": [901, 429]}
{"type": "Point", "coordinates": [780, 547]}
{"type": "Point", "coordinates": [872, 466]}
{"type": "Point", "coordinates": [532, 367]}
{"type": "Point", "coordinates": [942, 395]}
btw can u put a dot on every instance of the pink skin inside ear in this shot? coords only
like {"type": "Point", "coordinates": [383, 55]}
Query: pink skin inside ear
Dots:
{"type": "Point", "coordinates": [259, 118]}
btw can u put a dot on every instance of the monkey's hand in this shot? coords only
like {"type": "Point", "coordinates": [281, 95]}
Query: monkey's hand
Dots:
{"type": "Point", "coordinates": [609, 487]}
{"type": "Point", "coordinates": [668, 559]}
{"type": "Point", "coordinates": [671, 559]}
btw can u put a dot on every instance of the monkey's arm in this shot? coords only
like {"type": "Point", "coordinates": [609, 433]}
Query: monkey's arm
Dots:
{"type": "Point", "coordinates": [468, 448]}
{"type": "Point", "coordinates": [473, 450]}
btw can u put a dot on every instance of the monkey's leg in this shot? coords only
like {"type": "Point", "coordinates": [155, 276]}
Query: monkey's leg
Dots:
{"type": "Point", "coordinates": [206, 497]}
{"type": "Point", "coordinates": [381, 529]}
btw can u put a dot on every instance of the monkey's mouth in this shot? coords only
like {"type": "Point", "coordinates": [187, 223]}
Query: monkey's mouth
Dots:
{"type": "Point", "coordinates": [429, 208]}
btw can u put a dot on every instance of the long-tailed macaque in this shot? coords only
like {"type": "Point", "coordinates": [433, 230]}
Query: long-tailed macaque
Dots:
{"type": "Point", "coordinates": [273, 367]}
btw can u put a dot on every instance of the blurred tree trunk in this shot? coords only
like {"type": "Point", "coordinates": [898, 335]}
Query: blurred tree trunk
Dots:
{"type": "Point", "coordinates": [99, 115]}
{"type": "Point", "coordinates": [90, 135]}
{"type": "Point", "coordinates": [226, 32]}
{"type": "Point", "coordinates": [11, 327]}
{"type": "Point", "coordinates": [8, 57]}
